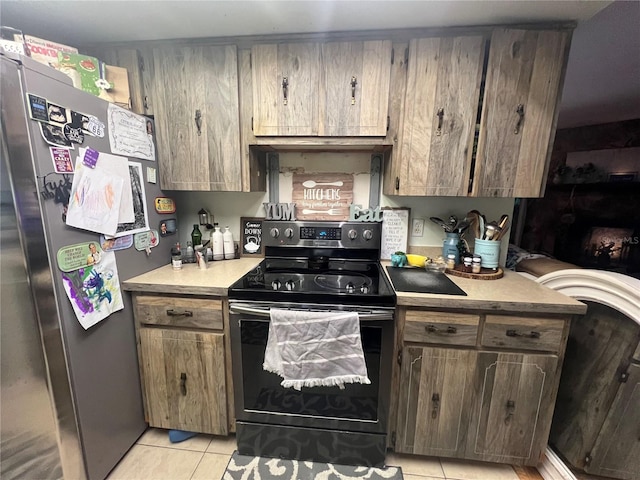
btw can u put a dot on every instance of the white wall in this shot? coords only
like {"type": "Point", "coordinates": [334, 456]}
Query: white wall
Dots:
{"type": "Point", "coordinates": [227, 207]}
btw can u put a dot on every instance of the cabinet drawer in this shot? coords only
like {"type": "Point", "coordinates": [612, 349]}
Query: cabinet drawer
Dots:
{"type": "Point", "coordinates": [179, 312]}
{"type": "Point", "coordinates": [528, 333]}
{"type": "Point", "coordinates": [441, 328]}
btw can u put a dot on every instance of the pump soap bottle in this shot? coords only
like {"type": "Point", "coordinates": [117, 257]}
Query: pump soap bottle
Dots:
{"type": "Point", "coordinates": [218, 243]}
{"type": "Point", "coordinates": [229, 251]}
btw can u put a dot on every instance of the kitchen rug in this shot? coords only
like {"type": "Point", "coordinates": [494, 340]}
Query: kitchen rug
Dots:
{"type": "Point", "coordinates": [420, 281]}
{"type": "Point", "coordinates": [262, 468]}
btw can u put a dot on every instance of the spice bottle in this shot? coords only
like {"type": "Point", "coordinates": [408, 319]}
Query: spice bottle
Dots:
{"type": "Point", "coordinates": [467, 264]}
{"type": "Point", "coordinates": [476, 264]}
{"type": "Point", "coordinates": [451, 261]}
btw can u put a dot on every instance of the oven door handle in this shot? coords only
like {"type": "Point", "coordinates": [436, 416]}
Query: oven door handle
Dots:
{"type": "Point", "coordinates": [259, 312]}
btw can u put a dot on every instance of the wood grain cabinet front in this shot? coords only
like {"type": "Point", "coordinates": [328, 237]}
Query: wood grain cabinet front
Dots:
{"type": "Point", "coordinates": [184, 380]}
{"type": "Point", "coordinates": [312, 89]}
{"type": "Point", "coordinates": [470, 388]}
{"type": "Point", "coordinates": [184, 361]}
{"type": "Point", "coordinates": [479, 114]}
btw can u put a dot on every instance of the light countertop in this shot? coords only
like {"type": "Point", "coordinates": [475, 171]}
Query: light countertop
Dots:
{"type": "Point", "coordinates": [190, 280]}
{"type": "Point", "coordinates": [511, 293]}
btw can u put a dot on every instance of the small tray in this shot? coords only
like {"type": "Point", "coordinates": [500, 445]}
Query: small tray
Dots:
{"type": "Point", "coordinates": [485, 273]}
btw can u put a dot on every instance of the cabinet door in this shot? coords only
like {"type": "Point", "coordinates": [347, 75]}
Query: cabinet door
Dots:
{"type": "Point", "coordinates": [433, 404]}
{"type": "Point", "coordinates": [184, 380]}
{"type": "Point", "coordinates": [285, 88]}
{"type": "Point", "coordinates": [197, 120]}
{"type": "Point", "coordinates": [617, 450]}
{"type": "Point", "coordinates": [354, 89]}
{"type": "Point", "coordinates": [519, 112]}
{"type": "Point", "coordinates": [439, 116]}
{"type": "Point", "coordinates": [513, 399]}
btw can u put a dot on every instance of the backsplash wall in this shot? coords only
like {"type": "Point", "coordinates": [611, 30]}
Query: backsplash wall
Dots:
{"type": "Point", "coordinates": [228, 207]}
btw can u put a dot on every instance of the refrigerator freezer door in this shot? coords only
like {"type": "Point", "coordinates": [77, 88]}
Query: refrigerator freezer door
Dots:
{"type": "Point", "coordinates": [101, 362]}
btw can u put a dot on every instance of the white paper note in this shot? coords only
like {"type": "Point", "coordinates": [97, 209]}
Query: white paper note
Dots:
{"type": "Point", "coordinates": [128, 134]}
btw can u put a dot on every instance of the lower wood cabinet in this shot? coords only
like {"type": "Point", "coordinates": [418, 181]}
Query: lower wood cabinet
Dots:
{"type": "Point", "coordinates": [183, 354]}
{"type": "Point", "coordinates": [184, 380]}
{"type": "Point", "coordinates": [511, 392]}
{"type": "Point", "coordinates": [433, 410]}
{"type": "Point", "coordinates": [469, 398]}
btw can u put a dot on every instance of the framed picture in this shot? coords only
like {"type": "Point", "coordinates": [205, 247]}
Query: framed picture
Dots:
{"type": "Point", "coordinates": [167, 227]}
{"type": "Point", "coordinates": [251, 237]}
{"type": "Point", "coordinates": [395, 231]}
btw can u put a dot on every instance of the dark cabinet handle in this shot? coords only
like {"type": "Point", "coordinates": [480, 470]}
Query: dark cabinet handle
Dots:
{"type": "Point", "coordinates": [183, 384]}
{"type": "Point", "coordinates": [354, 82]}
{"type": "Point", "coordinates": [198, 120]}
{"type": "Point", "coordinates": [440, 115]}
{"type": "Point", "coordinates": [434, 329]}
{"type": "Point", "coordinates": [175, 313]}
{"type": "Point", "coordinates": [145, 103]}
{"type": "Point", "coordinates": [515, 333]}
{"type": "Point", "coordinates": [435, 400]}
{"type": "Point", "coordinates": [511, 406]}
{"type": "Point", "coordinates": [285, 88]}
{"type": "Point", "coordinates": [520, 112]}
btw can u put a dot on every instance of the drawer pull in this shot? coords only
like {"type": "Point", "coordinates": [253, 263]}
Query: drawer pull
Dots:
{"type": "Point", "coordinates": [354, 82]}
{"type": "Point", "coordinates": [434, 329]}
{"type": "Point", "coordinates": [285, 90]}
{"type": "Point", "coordinates": [435, 399]}
{"type": "Point", "coordinates": [176, 313]}
{"type": "Point", "coordinates": [183, 384]}
{"type": "Point", "coordinates": [515, 333]}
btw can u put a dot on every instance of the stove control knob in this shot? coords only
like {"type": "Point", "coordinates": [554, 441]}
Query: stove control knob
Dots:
{"type": "Point", "coordinates": [352, 234]}
{"type": "Point", "coordinates": [350, 288]}
{"type": "Point", "coordinates": [288, 233]}
{"type": "Point", "coordinates": [289, 285]}
{"type": "Point", "coordinates": [367, 234]}
{"type": "Point", "coordinates": [275, 233]}
{"type": "Point", "coordinates": [276, 284]}
{"type": "Point", "coordinates": [364, 289]}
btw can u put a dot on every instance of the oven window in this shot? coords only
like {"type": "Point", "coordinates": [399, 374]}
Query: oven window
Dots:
{"type": "Point", "coordinates": [263, 393]}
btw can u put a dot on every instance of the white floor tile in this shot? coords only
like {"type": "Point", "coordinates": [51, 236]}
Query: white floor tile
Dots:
{"type": "Point", "coordinates": [416, 465]}
{"type": "Point", "coordinates": [418, 477]}
{"type": "Point", "coordinates": [223, 445]}
{"type": "Point", "coordinates": [158, 437]}
{"type": "Point", "coordinates": [211, 467]}
{"type": "Point", "coordinates": [467, 470]}
{"type": "Point", "coordinates": [143, 462]}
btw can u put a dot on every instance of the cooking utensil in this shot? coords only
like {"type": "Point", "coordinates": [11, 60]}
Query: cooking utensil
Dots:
{"type": "Point", "coordinates": [331, 211]}
{"type": "Point", "coordinates": [504, 219]}
{"type": "Point", "coordinates": [311, 183]}
{"type": "Point", "coordinates": [504, 230]}
{"type": "Point", "coordinates": [474, 220]}
{"type": "Point", "coordinates": [442, 223]}
{"type": "Point", "coordinates": [491, 231]}
{"type": "Point", "coordinates": [462, 226]}
{"type": "Point", "coordinates": [453, 221]}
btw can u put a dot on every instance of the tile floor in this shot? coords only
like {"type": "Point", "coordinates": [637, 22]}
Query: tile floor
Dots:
{"type": "Point", "coordinates": [205, 457]}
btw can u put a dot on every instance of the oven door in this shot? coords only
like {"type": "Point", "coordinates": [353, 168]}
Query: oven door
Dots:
{"type": "Point", "coordinates": [259, 397]}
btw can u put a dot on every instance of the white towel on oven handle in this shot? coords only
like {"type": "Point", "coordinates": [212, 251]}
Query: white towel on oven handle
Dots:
{"type": "Point", "coordinates": [309, 349]}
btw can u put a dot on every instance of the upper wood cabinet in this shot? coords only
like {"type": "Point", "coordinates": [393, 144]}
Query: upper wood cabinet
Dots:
{"type": "Point", "coordinates": [285, 88]}
{"type": "Point", "coordinates": [435, 140]}
{"type": "Point", "coordinates": [516, 126]}
{"type": "Point", "coordinates": [195, 102]}
{"type": "Point", "coordinates": [312, 89]}
{"type": "Point", "coordinates": [521, 96]}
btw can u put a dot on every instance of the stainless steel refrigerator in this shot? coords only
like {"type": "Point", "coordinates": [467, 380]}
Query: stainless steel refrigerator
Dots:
{"type": "Point", "coordinates": [71, 398]}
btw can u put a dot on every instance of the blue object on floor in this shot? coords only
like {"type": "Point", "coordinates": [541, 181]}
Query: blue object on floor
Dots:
{"type": "Point", "coordinates": [176, 436]}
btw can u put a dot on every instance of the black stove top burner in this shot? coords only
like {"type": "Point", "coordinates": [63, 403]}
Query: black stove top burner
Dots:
{"type": "Point", "coordinates": [293, 280]}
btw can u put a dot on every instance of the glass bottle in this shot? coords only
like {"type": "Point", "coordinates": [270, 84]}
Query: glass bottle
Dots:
{"type": "Point", "coordinates": [196, 236]}
{"type": "Point", "coordinates": [190, 254]}
{"type": "Point", "coordinates": [176, 257]}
